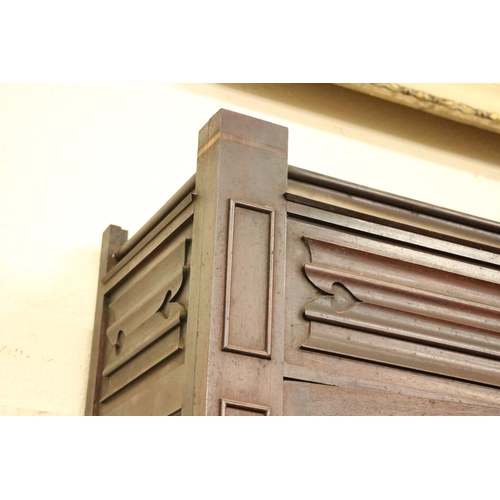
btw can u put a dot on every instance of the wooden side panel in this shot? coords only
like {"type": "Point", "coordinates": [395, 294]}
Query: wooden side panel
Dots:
{"type": "Point", "coordinates": [376, 313]}
{"type": "Point", "coordinates": [142, 314]}
{"type": "Point", "coordinates": [142, 370]}
{"type": "Point", "coordinates": [306, 399]}
{"type": "Point", "coordinates": [239, 409]}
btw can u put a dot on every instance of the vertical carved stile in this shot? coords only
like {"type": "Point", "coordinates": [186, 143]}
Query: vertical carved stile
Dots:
{"type": "Point", "coordinates": [236, 334]}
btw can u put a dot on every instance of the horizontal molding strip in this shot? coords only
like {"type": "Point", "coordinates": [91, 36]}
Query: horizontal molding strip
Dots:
{"type": "Point", "coordinates": [154, 242]}
{"type": "Point", "coordinates": [308, 210]}
{"type": "Point", "coordinates": [399, 324]}
{"type": "Point", "coordinates": [402, 353]}
{"type": "Point", "coordinates": [414, 207]}
{"type": "Point", "coordinates": [409, 299]}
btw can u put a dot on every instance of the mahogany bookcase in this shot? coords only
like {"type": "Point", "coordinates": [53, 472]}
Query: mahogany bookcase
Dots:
{"type": "Point", "coordinates": [264, 289]}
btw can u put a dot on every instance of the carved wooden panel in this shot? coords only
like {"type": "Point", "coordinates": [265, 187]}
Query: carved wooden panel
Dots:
{"type": "Point", "coordinates": [390, 309]}
{"type": "Point", "coordinates": [145, 320]}
{"type": "Point", "coordinates": [385, 303]}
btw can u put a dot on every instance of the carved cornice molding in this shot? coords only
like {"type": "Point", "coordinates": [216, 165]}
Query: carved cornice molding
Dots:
{"type": "Point", "coordinates": [442, 106]}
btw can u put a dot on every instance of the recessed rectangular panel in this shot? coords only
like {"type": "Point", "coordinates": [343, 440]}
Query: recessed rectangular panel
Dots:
{"type": "Point", "coordinates": [249, 280]}
{"type": "Point", "coordinates": [231, 408]}
{"type": "Point", "coordinates": [393, 351]}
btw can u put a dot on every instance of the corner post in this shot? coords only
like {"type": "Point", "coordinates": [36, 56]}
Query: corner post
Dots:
{"type": "Point", "coordinates": [235, 330]}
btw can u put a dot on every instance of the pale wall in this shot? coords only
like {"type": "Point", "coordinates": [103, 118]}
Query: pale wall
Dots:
{"type": "Point", "coordinates": [75, 158]}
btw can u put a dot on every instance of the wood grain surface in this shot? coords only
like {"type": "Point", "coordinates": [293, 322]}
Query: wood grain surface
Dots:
{"type": "Point", "coordinates": [306, 399]}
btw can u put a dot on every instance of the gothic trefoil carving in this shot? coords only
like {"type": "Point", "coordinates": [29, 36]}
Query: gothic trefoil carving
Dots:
{"type": "Point", "coordinates": [147, 310]}
{"type": "Point", "coordinates": [395, 319]}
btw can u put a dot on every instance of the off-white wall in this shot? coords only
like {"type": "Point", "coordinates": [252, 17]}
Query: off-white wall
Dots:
{"type": "Point", "coordinates": [75, 158]}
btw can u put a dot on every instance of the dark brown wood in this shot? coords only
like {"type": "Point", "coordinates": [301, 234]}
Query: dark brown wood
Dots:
{"type": "Point", "coordinates": [263, 289]}
{"type": "Point", "coordinates": [235, 326]}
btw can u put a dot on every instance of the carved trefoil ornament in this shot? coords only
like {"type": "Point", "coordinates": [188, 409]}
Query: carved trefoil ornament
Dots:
{"type": "Point", "coordinates": [144, 313]}
{"type": "Point", "coordinates": [239, 408]}
{"type": "Point", "coordinates": [387, 310]}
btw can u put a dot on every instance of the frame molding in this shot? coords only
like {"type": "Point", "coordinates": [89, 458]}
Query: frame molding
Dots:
{"type": "Point", "coordinates": [443, 106]}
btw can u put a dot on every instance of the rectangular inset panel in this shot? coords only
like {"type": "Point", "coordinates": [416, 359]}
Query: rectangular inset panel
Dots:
{"type": "Point", "coordinates": [158, 393]}
{"type": "Point", "coordinates": [239, 409]}
{"type": "Point", "coordinates": [249, 280]}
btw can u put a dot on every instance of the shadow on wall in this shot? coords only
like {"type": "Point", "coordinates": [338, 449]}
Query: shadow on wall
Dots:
{"type": "Point", "coordinates": [338, 103]}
